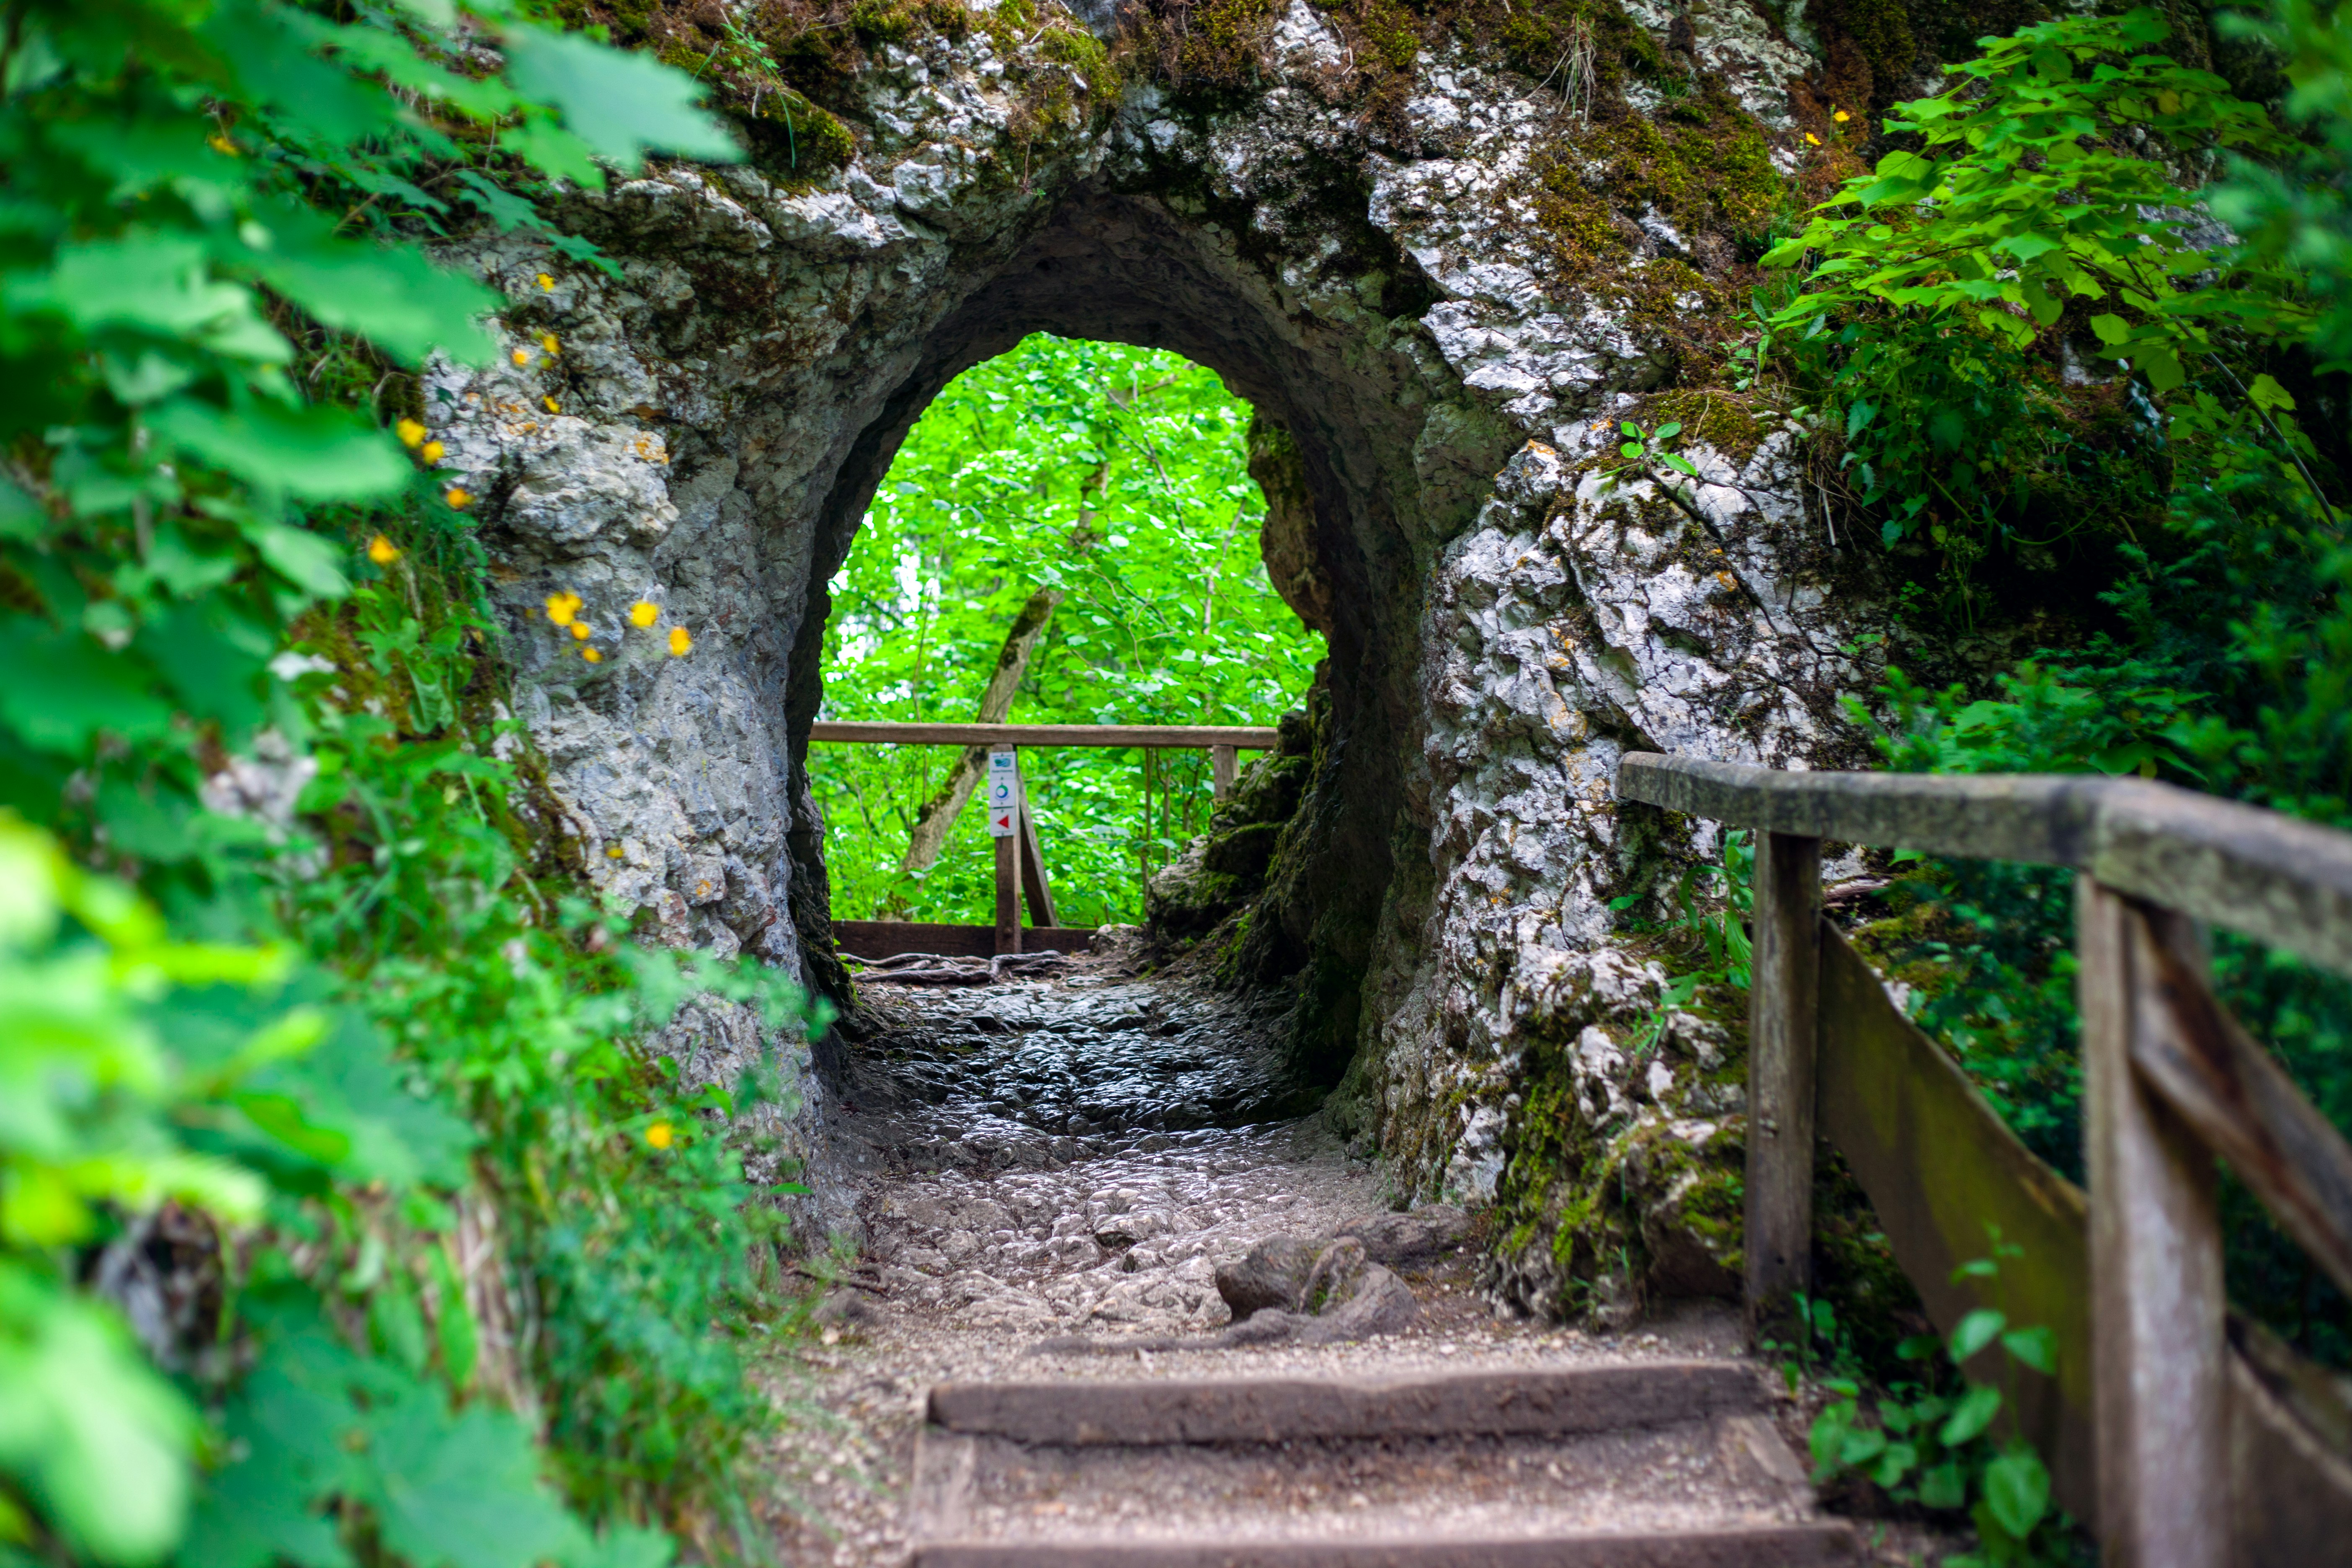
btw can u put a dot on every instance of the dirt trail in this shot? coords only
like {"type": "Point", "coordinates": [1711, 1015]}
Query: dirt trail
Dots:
{"type": "Point", "coordinates": [1075, 1155]}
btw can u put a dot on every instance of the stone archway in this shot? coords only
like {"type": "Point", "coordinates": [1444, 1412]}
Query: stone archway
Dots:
{"type": "Point", "coordinates": [1506, 617]}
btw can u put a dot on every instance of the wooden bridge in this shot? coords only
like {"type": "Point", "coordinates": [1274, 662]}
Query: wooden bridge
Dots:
{"type": "Point", "coordinates": [1021, 876]}
{"type": "Point", "coordinates": [2187, 1438]}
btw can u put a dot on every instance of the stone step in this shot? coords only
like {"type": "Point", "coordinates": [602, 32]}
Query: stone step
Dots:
{"type": "Point", "coordinates": [1671, 1463]}
{"type": "Point", "coordinates": [1549, 1401]}
{"type": "Point", "coordinates": [1759, 1546]}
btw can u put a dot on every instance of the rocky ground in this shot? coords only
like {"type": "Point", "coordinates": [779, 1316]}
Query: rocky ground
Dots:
{"type": "Point", "coordinates": [1055, 1165]}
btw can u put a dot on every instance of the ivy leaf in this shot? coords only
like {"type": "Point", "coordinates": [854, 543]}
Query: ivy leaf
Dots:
{"type": "Point", "coordinates": [2268, 395]}
{"type": "Point", "coordinates": [1975, 1332]}
{"type": "Point", "coordinates": [1976, 1409]}
{"type": "Point", "coordinates": [2036, 1347]}
{"type": "Point", "coordinates": [2017, 1491]}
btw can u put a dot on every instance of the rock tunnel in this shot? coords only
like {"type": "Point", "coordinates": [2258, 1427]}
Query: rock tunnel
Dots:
{"type": "Point", "coordinates": [1507, 612]}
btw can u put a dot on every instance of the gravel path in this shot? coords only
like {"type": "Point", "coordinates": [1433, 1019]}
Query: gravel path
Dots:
{"type": "Point", "coordinates": [1074, 1155]}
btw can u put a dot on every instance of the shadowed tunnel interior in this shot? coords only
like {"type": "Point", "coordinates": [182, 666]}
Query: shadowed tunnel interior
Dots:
{"type": "Point", "coordinates": [1129, 271]}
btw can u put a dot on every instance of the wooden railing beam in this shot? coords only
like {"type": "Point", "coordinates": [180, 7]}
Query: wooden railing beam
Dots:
{"type": "Point", "coordinates": [2157, 1308]}
{"type": "Point", "coordinates": [1148, 737]}
{"type": "Point", "coordinates": [1783, 1002]}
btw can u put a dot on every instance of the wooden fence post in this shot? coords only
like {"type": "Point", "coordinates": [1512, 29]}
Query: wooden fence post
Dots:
{"type": "Point", "coordinates": [2157, 1303]}
{"type": "Point", "coordinates": [1222, 767]}
{"type": "Point", "coordinates": [1783, 997]}
{"type": "Point", "coordinates": [1008, 881]}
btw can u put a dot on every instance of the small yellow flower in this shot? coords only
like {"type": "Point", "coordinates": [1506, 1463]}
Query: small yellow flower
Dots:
{"type": "Point", "coordinates": [613, 852]}
{"type": "Point", "coordinates": [383, 550]}
{"type": "Point", "coordinates": [520, 357]}
{"type": "Point", "coordinates": [643, 613]}
{"type": "Point", "coordinates": [1841, 117]}
{"type": "Point", "coordinates": [547, 341]}
{"type": "Point", "coordinates": [562, 607]}
{"type": "Point", "coordinates": [409, 431]}
{"type": "Point", "coordinates": [431, 452]}
{"type": "Point", "coordinates": [680, 645]}
{"type": "Point", "coordinates": [219, 142]}
{"type": "Point", "coordinates": [546, 282]}
{"type": "Point", "coordinates": [549, 401]}
{"type": "Point", "coordinates": [660, 1135]}
{"type": "Point", "coordinates": [591, 656]}
{"type": "Point", "coordinates": [1811, 140]}
{"type": "Point", "coordinates": [580, 629]}
{"type": "Point", "coordinates": [457, 497]}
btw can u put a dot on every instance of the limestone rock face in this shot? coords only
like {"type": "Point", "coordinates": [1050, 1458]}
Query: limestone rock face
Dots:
{"type": "Point", "coordinates": [1510, 605]}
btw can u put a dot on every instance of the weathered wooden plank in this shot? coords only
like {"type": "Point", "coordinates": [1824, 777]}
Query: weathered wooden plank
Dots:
{"type": "Point", "coordinates": [1221, 768]}
{"type": "Point", "coordinates": [889, 938]}
{"type": "Point", "coordinates": [1008, 893]}
{"type": "Point", "coordinates": [2158, 1308]}
{"type": "Point", "coordinates": [2282, 881]}
{"type": "Point", "coordinates": [2246, 1109]}
{"type": "Point", "coordinates": [2042, 818]}
{"type": "Point", "coordinates": [1243, 737]}
{"type": "Point", "coordinates": [1779, 1242]}
{"type": "Point", "coordinates": [1033, 886]}
{"type": "Point", "coordinates": [1939, 1166]}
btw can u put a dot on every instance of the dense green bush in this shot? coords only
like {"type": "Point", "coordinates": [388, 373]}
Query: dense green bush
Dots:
{"type": "Point", "coordinates": [2042, 216]}
{"type": "Point", "coordinates": [1119, 478]}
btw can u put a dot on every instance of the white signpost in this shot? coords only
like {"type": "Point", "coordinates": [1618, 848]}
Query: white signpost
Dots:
{"type": "Point", "coordinates": [1003, 786]}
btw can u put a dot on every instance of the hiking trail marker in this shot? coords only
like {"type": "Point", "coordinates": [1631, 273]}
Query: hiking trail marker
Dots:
{"type": "Point", "coordinates": [1004, 786]}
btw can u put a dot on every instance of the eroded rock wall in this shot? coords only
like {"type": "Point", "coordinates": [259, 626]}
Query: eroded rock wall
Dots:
{"type": "Point", "coordinates": [1400, 264]}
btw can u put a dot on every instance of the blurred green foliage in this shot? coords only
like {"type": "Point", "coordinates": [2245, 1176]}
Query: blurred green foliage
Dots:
{"type": "Point", "coordinates": [344, 1217]}
{"type": "Point", "coordinates": [1118, 477]}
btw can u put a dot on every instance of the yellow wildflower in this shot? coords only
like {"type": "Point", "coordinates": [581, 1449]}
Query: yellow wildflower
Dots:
{"type": "Point", "coordinates": [591, 656]}
{"type": "Point", "coordinates": [520, 357]}
{"type": "Point", "coordinates": [409, 431]}
{"type": "Point", "coordinates": [546, 282]}
{"type": "Point", "coordinates": [457, 497]}
{"type": "Point", "coordinates": [219, 142]}
{"type": "Point", "coordinates": [613, 852]}
{"type": "Point", "coordinates": [679, 643]}
{"type": "Point", "coordinates": [383, 550]}
{"type": "Point", "coordinates": [547, 341]}
{"type": "Point", "coordinates": [549, 401]}
{"type": "Point", "coordinates": [562, 607]}
{"type": "Point", "coordinates": [580, 629]}
{"type": "Point", "coordinates": [431, 452]}
{"type": "Point", "coordinates": [643, 613]}
{"type": "Point", "coordinates": [661, 1135]}
{"type": "Point", "coordinates": [1811, 140]}
{"type": "Point", "coordinates": [1841, 117]}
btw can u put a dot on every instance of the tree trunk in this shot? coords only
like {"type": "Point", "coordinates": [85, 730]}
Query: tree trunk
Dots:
{"type": "Point", "coordinates": [931, 823]}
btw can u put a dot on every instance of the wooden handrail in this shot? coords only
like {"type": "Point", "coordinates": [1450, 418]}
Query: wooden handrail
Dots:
{"type": "Point", "coordinates": [2169, 1079]}
{"type": "Point", "coordinates": [1161, 737]}
{"type": "Point", "coordinates": [2282, 881]}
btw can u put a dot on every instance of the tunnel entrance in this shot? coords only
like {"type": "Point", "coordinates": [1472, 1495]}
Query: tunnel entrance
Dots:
{"type": "Point", "coordinates": [1340, 459]}
{"type": "Point", "coordinates": [1070, 535]}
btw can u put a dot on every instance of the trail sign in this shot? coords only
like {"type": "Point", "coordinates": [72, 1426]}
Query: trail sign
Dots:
{"type": "Point", "coordinates": [1003, 787]}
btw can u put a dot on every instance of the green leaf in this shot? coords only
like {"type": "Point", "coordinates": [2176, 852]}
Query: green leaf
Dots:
{"type": "Point", "coordinates": [1670, 430]}
{"type": "Point", "coordinates": [2017, 1491]}
{"type": "Point", "coordinates": [1976, 1411]}
{"type": "Point", "coordinates": [2268, 394]}
{"type": "Point", "coordinates": [315, 453]}
{"type": "Point", "coordinates": [1944, 1486]}
{"type": "Point", "coordinates": [463, 1492]}
{"type": "Point", "coordinates": [1975, 1332]}
{"type": "Point", "coordinates": [310, 562]}
{"type": "Point", "coordinates": [84, 690]}
{"type": "Point", "coordinates": [1681, 465]}
{"type": "Point", "coordinates": [2036, 1347]}
{"type": "Point", "coordinates": [2112, 329]}
{"type": "Point", "coordinates": [620, 104]}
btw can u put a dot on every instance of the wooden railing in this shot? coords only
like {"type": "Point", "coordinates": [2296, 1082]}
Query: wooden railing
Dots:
{"type": "Point", "coordinates": [2175, 1444]}
{"type": "Point", "coordinates": [1020, 861]}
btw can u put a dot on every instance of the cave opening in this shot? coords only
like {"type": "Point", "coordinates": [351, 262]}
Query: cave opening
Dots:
{"type": "Point", "coordinates": [1340, 420]}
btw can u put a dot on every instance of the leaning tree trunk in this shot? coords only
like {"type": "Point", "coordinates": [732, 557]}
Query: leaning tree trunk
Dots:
{"type": "Point", "coordinates": [931, 823]}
